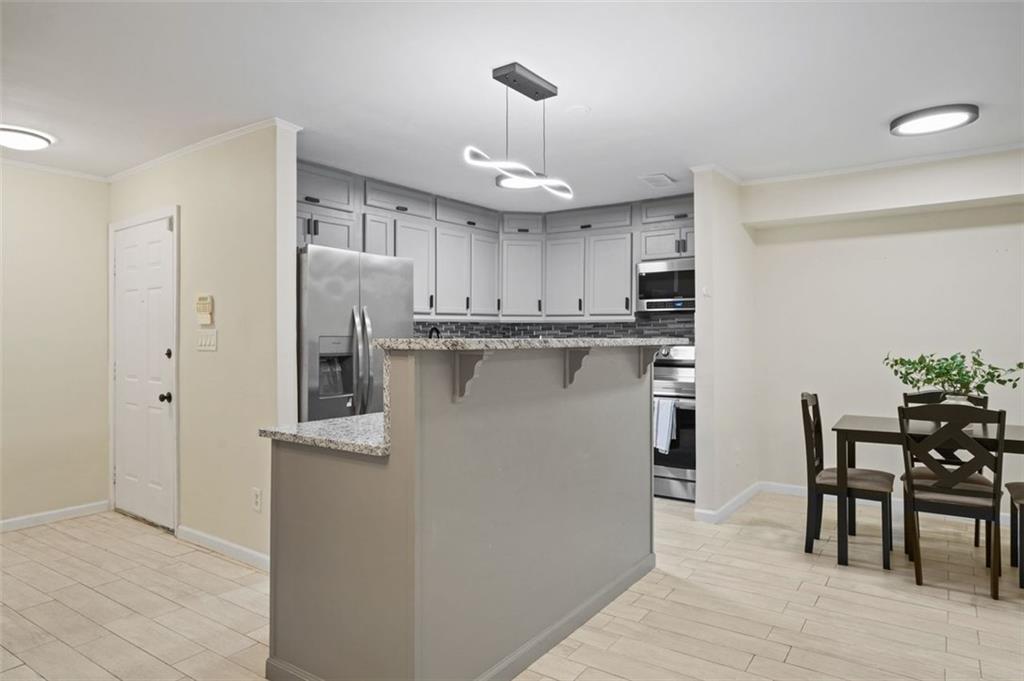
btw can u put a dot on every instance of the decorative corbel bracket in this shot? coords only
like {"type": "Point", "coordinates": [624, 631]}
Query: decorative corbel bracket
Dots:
{"type": "Point", "coordinates": [573, 362]}
{"type": "Point", "coordinates": [464, 370]}
{"type": "Point", "coordinates": [647, 353]}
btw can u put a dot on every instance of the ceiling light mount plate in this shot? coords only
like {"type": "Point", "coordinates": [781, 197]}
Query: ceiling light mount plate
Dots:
{"type": "Point", "coordinates": [933, 119]}
{"type": "Point", "coordinates": [524, 81]}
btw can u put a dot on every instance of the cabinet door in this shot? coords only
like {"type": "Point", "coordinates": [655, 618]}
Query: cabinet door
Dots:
{"type": "Point", "coordinates": [337, 230]}
{"type": "Point", "coordinates": [325, 188]}
{"type": "Point", "coordinates": [378, 235]}
{"type": "Point", "coordinates": [686, 246]}
{"type": "Point", "coordinates": [483, 288]}
{"type": "Point", "coordinates": [452, 287]}
{"type": "Point", "coordinates": [303, 225]}
{"type": "Point", "coordinates": [522, 267]}
{"type": "Point", "coordinates": [660, 243]}
{"type": "Point", "coordinates": [523, 223]}
{"type": "Point", "coordinates": [415, 240]}
{"type": "Point", "coordinates": [602, 217]}
{"type": "Point", "coordinates": [564, 277]}
{"type": "Point", "coordinates": [665, 210]}
{"type": "Point", "coordinates": [399, 199]}
{"type": "Point", "coordinates": [458, 213]}
{"type": "Point", "coordinates": [610, 274]}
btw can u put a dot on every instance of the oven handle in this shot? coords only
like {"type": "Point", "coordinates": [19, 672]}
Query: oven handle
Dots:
{"type": "Point", "coordinates": [681, 402]}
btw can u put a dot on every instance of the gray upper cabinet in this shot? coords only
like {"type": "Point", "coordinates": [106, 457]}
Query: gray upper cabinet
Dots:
{"type": "Point", "coordinates": [399, 199]}
{"type": "Point", "coordinates": [452, 287]}
{"type": "Point", "coordinates": [610, 274]}
{"type": "Point", "coordinates": [672, 240]}
{"type": "Point", "coordinates": [378, 234]}
{"type": "Point", "coordinates": [326, 188]}
{"type": "Point", "coordinates": [466, 215]}
{"type": "Point", "coordinates": [523, 223]}
{"type": "Point", "coordinates": [484, 283]}
{"type": "Point", "coordinates": [666, 210]}
{"type": "Point", "coordinates": [314, 225]}
{"type": "Point", "coordinates": [415, 239]}
{"type": "Point", "coordinates": [522, 276]}
{"type": "Point", "coordinates": [564, 276]}
{"type": "Point", "coordinates": [590, 218]}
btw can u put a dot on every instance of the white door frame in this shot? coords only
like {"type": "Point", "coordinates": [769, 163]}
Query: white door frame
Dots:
{"type": "Point", "coordinates": [172, 213]}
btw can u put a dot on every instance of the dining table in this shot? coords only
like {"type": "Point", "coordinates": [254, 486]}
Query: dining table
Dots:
{"type": "Point", "coordinates": [852, 429]}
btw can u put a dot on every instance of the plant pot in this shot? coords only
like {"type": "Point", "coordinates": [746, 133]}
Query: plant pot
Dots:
{"type": "Point", "coordinates": [954, 398]}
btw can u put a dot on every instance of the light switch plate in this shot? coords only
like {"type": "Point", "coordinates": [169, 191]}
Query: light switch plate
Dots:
{"type": "Point", "coordinates": [206, 340]}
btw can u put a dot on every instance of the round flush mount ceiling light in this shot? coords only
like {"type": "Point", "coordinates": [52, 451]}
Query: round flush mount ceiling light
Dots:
{"type": "Point", "coordinates": [934, 119]}
{"type": "Point", "coordinates": [24, 139]}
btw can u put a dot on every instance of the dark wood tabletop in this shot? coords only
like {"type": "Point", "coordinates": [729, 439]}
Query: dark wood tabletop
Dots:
{"type": "Point", "coordinates": [884, 430]}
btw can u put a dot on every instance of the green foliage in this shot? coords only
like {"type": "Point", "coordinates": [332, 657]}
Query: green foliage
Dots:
{"type": "Point", "coordinates": [958, 373]}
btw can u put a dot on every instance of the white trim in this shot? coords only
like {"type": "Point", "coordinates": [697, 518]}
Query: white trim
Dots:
{"type": "Point", "coordinates": [853, 170]}
{"type": "Point", "coordinates": [202, 144]}
{"type": "Point", "coordinates": [724, 172]}
{"type": "Point", "coordinates": [54, 171]}
{"type": "Point", "coordinates": [172, 213]}
{"type": "Point", "coordinates": [33, 519]}
{"type": "Point", "coordinates": [726, 510]}
{"type": "Point", "coordinates": [229, 549]}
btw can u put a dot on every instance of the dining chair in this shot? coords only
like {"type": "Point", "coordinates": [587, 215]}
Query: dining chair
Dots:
{"type": "Point", "coordinates": [935, 397]}
{"type": "Point", "coordinates": [1016, 492]}
{"type": "Point", "coordinates": [861, 483]}
{"type": "Point", "coordinates": [946, 490]}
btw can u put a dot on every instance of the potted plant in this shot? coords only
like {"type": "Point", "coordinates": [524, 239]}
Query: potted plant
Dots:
{"type": "Point", "coordinates": [957, 375]}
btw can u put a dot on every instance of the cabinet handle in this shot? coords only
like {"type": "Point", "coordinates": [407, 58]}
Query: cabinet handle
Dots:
{"type": "Point", "coordinates": [686, 246]}
{"type": "Point", "coordinates": [467, 302]}
{"type": "Point", "coordinates": [679, 248]}
{"type": "Point", "coordinates": [499, 304]}
{"type": "Point", "coordinates": [523, 230]}
{"type": "Point", "coordinates": [579, 304]}
{"type": "Point", "coordinates": [431, 305]}
{"type": "Point", "coordinates": [312, 199]}
{"type": "Point", "coordinates": [401, 209]}
{"type": "Point", "coordinates": [584, 226]}
{"type": "Point", "coordinates": [471, 223]}
{"type": "Point", "coordinates": [538, 305]}
{"type": "Point", "coordinates": [627, 303]}
{"type": "Point", "coordinates": [316, 228]}
{"type": "Point", "coordinates": [681, 216]}
{"type": "Point", "coordinates": [309, 226]}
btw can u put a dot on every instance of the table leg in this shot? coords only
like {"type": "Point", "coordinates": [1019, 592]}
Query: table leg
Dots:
{"type": "Point", "coordinates": [842, 497]}
{"type": "Point", "coordinates": [851, 462]}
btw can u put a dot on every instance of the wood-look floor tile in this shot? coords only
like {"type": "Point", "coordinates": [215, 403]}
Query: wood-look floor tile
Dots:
{"type": "Point", "coordinates": [81, 571]}
{"type": "Point", "coordinates": [92, 604]}
{"type": "Point", "coordinates": [207, 666]}
{"type": "Point", "coordinates": [557, 667]}
{"type": "Point", "coordinates": [782, 671]}
{"type": "Point", "coordinates": [61, 621]}
{"type": "Point", "coordinates": [199, 578]}
{"type": "Point", "coordinates": [253, 658]}
{"type": "Point", "coordinates": [8, 660]}
{"type": "Point", "coordinates": [39, 576]}
{"type": "Point", "coordinates": [249, 599]}
{"type": "Point", "coordinates": [136, 598]}
{"type": "Point", "coordinates": [20, 673]}
{"type": "Point", "coordinates": [154, 638]}
{"type": "Point", "coordinates": [204, 631]}
{"type": "Point", "coordinates": [623, 665]}
{"type": "Point", "coordinates": [57, 661]}
{"type": "Point", "coordinates": [678, 662]}
{"type": "Point", "coordinates": [711, 652]}
{"type": "Point", "coordinates": [127, 661]}
{"type": "Point", "coordinates": [221, 567]}
{"type": "Point", "coordinates": [18, 634]}
{"type": "Point", "coordinates": [591, 674]}
{"type": "Point", "coordinates": [18, 595]}
{"type": "Point", "coordinates": [228, 614]}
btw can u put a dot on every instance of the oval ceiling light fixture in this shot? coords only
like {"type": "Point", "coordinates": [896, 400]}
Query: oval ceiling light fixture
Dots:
{"type": "Point", "coordinates": [513, 174]}
{"type": "Point", "coordinates": [934, 119]}
{"type": "Point", "coordinates": [24, 139]}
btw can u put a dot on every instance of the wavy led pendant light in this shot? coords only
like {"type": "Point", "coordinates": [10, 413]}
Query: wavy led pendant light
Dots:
{"type": "Point", "coordinates": [513, 174]}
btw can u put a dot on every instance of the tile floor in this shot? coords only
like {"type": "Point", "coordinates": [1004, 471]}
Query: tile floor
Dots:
{"type": "Point", "coordinates": [105, 596]}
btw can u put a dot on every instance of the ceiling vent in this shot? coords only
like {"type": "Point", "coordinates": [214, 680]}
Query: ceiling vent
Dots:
{"type": "Point", "coordinates": [658, 180]}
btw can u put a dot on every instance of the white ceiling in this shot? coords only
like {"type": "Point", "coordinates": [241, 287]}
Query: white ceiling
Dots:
{"type": "Point", "coordinates": [396, 91]}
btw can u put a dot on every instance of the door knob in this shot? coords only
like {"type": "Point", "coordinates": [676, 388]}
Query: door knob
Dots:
{"type": "Point", "coordinates": [164, 397]}
{"type": "Point", "coordinates": [168, 353]}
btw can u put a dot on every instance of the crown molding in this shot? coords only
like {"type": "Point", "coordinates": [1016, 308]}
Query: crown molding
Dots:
{"type": "Point", "coordinates": [714, 167]}
{"type": "Point", "coordinates": [53, 171]}
{"type": "Point", "coordinates": [203, 144]}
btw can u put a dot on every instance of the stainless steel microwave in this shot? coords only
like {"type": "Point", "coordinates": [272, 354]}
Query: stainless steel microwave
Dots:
{"type": "Point", "coordinates": [666, 285]}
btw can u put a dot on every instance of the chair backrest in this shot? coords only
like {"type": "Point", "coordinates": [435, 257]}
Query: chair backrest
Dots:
{"type": "Point", "coordinates": [930, 429]}
{"type": "Point", "coordinates": [813, 444]}
{"type": "Point", "coordinates": [937, 397]}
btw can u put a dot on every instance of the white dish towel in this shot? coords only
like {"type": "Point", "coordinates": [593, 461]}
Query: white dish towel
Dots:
{"type": "Point", "coordinates": [664, 423]}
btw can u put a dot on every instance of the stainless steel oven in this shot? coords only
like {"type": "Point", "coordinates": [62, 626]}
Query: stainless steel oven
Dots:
{"type": "Point", "coordinates": [666, 285]}
{"type": "Point", "coordinates": [675, 395]}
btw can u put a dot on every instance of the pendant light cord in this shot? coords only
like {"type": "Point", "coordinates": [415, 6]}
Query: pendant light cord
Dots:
{"type": "Point", "coordinates": [506, 122]}
{"type": "Point", "coordinates": [544, 138]}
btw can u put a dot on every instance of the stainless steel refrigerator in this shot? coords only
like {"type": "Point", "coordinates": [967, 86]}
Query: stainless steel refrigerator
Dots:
{"type": "Point", "coordinates": [346, 299]}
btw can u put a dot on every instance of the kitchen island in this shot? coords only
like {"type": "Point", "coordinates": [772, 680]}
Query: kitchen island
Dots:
{"type": "Point", "coordinates": [500, 500]}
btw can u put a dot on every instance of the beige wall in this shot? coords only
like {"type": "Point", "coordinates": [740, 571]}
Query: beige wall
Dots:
{"type": "Point", "coordinates": [53, 425]}
{"type": "Point", "coordinates": [227, 197]}
{"type": "Point", "coordinates": [833, 299]}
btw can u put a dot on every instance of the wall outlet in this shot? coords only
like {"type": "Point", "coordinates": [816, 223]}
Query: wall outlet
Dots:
{"type": "Point", "coordinates": [257, 499]}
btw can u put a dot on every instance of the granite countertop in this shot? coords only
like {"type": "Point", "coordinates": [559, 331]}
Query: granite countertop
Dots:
{"type": "Point", "coordinates": [364, 434]}
{"type": "Point", "coordinates": [522, 343]}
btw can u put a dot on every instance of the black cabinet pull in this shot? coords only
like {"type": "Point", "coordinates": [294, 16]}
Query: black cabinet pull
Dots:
{"type": "Point", "coordinates": [164, 397]}
{"type": "Point", "coordinates": [627, 302]}
{"type": "Point", "coordinates": [686, 245]}
{"type": "Point", "coordinates": [401, 209]}
{"type": "Point", "coordinates": [471, 223]}
{"type": "Point", "coordinates": [431, 305]}
{"type": "Point", "coordinates": [467, 302]}
{"type": "Point", "coordinates": [499, 304]}
{"type": "Point", "coordinates": [523, 230]}
{"type": "Point", "coordinates": [681, 215]}
{"type": "Point", "coordinates": [538, 305]}
{"type": "Point", "coordinates": [316, 228]}
{"type": "Point", "coordinates": [579, 304]}
{"type": "Point", "coordinates": [584, 226]}
{"type": "Point", "coordinates": [312, 199]}
{"type": "Point", "coordinates": [309, 226]}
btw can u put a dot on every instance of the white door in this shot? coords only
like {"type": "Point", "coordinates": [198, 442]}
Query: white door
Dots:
{"type": "Point", "coordinates": [483, 288]}
{"type": "Point", "coordinates": [564, 276]}
{"type": "Point", "coordinates": [610, 274]}
{"type": "Point", "coordinates": [452, 285]}
{"type": "Point", "coordinates": [145, 355]}
{"type": "Point", "coordinates": [522, 267]}
{"type": "Point", "coordinates": [416, 240]}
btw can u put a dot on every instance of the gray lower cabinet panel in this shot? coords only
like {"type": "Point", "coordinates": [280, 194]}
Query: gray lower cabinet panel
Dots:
{"type": "Point", "coordinates": [497, 525]}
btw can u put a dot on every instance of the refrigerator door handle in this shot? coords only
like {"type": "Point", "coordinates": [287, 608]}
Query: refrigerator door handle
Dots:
{"type": "Point", "coordinates": [368, 345]}
{"type": "Point", "coordinates": [357, 370]}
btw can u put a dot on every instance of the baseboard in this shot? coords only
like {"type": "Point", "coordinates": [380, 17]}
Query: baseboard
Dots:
{"type": "Point", "coordinates": [734, 504]}
{"type": "Point", "coordinates": [228, 548]}
{"type": "Point", "coordinates": [279, 670]}
{"type": "Point", "coordinates": [529, 652]}
{"type": "Point", "coordinates": [33, 519]}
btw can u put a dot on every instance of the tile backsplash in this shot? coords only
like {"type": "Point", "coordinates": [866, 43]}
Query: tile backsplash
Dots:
{"type": "Point", "coordinates": [647, 324]}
